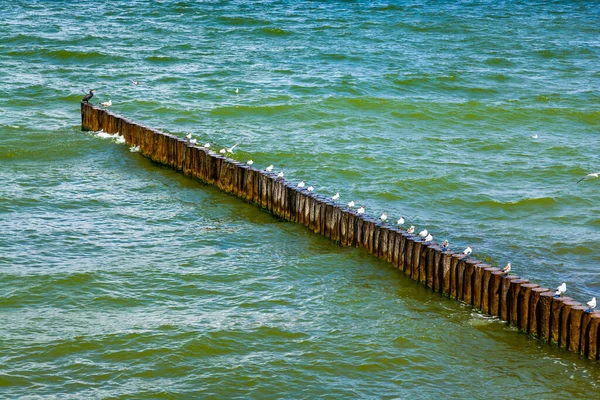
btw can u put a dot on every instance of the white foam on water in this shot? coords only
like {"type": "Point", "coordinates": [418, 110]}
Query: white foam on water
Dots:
{"type": "Point", "coordinates": [116, 137]}
{"type": "Point", "coordinates": [134, 149]}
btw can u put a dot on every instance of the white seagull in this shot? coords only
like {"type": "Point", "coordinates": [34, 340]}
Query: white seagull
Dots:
{"type": "Point", "coordinates": [535, 136]}
{"type": "Point", "coordinates": [411, 229]}
{"type": "Point", "coordinates": [429, 238]}
{"type": "Point", "coordinates": [301, 184]}
{"type": "Point", "coordinates": [588, 176]}
{"type": "Point", "coordinates": [423, 233]}
{"type": "Point", "coordinates": [336, 197]}
{"type": "Point", "coordinates": [269, 168]}
{"type": "Point", "coordinates": [193, 141]}
{"type": "Point", "coordinates": [280, 175]}
{"type": "Point", "coordinates": [222, 151]}
{"type": "Point", "coordinates": [561, 290]}
{"type": "Point", "coordinates": [400, 222]}
{"type": "Point", "coordinates": [591, 304]}
{"type": "Point", "coordinates": [507, 268]}
{"type": "Point", "coordinates": [467, 252]}
{"type": "Point", "coordinates": [310, 189]}
{"type": "Point", "coordinates": [445, 245]}
{"type": "Point", "coordinates": [250, 162]}
{"type": "Point", "coordinates": [188, 136]}
{"type": "Point", "coordinates": [206, 145]}
{"type": "Point", "coordinates": [361, 210]}
{"type": "Point", "coordinates": [237, 90]}
{"type": "Point", "coordinates": [230, 150]}
{"type": "Point", "coordinates": [351, 204]}
{"type": "Point", "coordinates": [109, 103]}
{"type": "Point", "coordinates": [383, 217]}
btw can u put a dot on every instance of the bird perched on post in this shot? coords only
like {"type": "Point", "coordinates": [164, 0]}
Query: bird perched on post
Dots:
{"type": "Point", "coordinates": [188, 136]}
{"type": "Point", "coordinates": [400, 222]}
{"type": "Point", "coordinates": [351, 204]}
{"type": "Point", "coordinates": [588, 176]}
{"type": "Point", "coordinates": [467, 252]}
{"type": "Point", "coordinates": [207, 145]}
{"type": "Point", "coordinates": [88, 96]}
{"type": "Point", "coordinates": [411, 230]}
{"type": "Point", "coordinates": [383, 217]}
{"type": "Point", "coordinates": [106, 104]}
{"type": "Point", "coordinates": [336, 197]}
{"type": "Point", "coordinates": [280, 175]}
{"type": "Point", "coordinates": [423, 233]}
{"type": "Point", "coordinates": [445, 245]}
{"type": "Point", "coordinates": [561, 290]}
{"type": "Point", "coordinates": [301, 184]}
{"type": "Point", "coordinates": [506, 269]}
{"type": "Point", "coordinates": [310, 189]}
{"type": "Point", "coordinates": [250, 162]}
{"type": "Point", "coordinates": [591, 304]}
{"type": "Point", "coordinates": [361, 210]}
{"type": "Point", "coordinates": [270, 168]}
{"type": "Point", "coordinates": [428, 238]}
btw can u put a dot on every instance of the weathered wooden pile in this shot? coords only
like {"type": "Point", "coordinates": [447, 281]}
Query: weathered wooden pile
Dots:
{"type": "Point", "coordinates": [527, 306]}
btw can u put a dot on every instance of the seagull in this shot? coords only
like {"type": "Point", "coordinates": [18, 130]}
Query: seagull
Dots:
{"type": "Point", "coordinates": [135, 82]}
{"type": "Point", "coordinates": [193, 141]}
{"type": "Point", "coordinates": [222, 151]}
{"type": "Point", "coordinates": [250, 162]}
{"type": "Point", "coordinates": [89, 96]}
{"type": "Point", "coordinates": [301, 184]}
{"type": "Point", "coordinates": [535, 136]}
{"type": "Point", "coordinates": [269, 168]}
{"type": "Point", "coordinates": [280, 175]}
{"type": "Point", "coordinates": [467, 252]}
{"type": "Point", "coordinates": [206, 145]}
{"type": "Point", "coordinates": [230, 150]}
{"type": "Point", "coordinates": [594, 175]}
{"type": "Point", "coordinates": [429, 238]}
{"type": "Point", "coordinates": [383, 217]}
{"type": "Point", "coordinates": [311, 189]}
{"type": "Point", "coordinates": [561, 290]}
{"type": "Point", "coordinates": [106, 104]}
{"type": "Point", "coordinates": [591, 304]}
{"type": "Point", "coordinates": [400, 222]}
{"type": "Point", "coordinates": [506, 269]}
{"type": "Point", "coordinates": [351, 204]}
{"type": "Point", "coordinates": [237, 90]}
{"type": "Point", "coordinates": [423, 233]}
{"type": "Point", "coordinates": [411, 229]}
{"type": "Point", "coordinates": [445, 245]}
{"type": "Point", "coordinates": [336, 197]}
{"type": "Point", "coordinates": [361, 210]}
{"type": "Point", "coordinates": [188, 136]}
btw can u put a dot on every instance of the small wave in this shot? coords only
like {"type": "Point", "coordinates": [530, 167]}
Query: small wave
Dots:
{"type": "Point", "coordinates": [270, 31]}
{"type": "Point", "coordinates": [116, 137]}
{"type": "Point", "coordinates": [239, 21]}
{"type": "Point", "coordinates": [536, 202]}
{"type": "Point", "coordinates": [499, 61]}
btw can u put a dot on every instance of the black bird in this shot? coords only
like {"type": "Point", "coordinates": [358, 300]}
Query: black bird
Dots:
{"type": "Point", "coordinates": [88, 96]}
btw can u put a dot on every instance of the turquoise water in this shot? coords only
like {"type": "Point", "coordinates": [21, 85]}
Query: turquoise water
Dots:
{"type": "Point", "coordinates": [122, 279]}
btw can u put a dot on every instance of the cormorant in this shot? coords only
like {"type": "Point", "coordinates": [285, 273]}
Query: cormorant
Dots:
{"type": "Point", "coordinates": [88, 96]}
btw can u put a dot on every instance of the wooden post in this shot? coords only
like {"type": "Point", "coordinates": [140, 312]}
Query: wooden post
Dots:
{"type": "Point", "coordinates": [486, 289]}
{"type": "Point", "coordinates": [408, 259]}
{"type": "Point", "coordinates": [575, 327]}
{"type": "Point", "coordinates": [524, 306]}
{"type": "Point", "coordinates": [469, 276]}
{"type": "Point", "coordinates": [505, 298]}
{"type": "Point", "coordinates": [565, 322]}
{"type": "Point", "coordinates": [432, 250]}
{"type": "Point", "coordinates": [583, 337]}
{"type": "Point", "coordinates": [534, 323]}
{"type": "Point", "coordinates": [447, 258]}
{"type": "Point", "coordinates": [545, 316]}
{"type": "Point", "coordinates": [513, 300]}
{"type": "Point", "coordinates": [555, 318]}
{"type": "Point", "coordinates": [478, 285]}
{"type": "Point", "coordinates": [453, 276]}
{"type": "Point", "coordinates": [416, 259]}
{"type": "Point", "coordinates": [592, 339]}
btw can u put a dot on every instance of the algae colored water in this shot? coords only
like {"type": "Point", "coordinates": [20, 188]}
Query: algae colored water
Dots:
{"type": "Point", "coordinates": [121, 279]}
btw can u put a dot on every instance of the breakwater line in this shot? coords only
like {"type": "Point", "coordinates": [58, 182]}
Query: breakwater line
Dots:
{"type": "Point", "coordinates": [525, 305]}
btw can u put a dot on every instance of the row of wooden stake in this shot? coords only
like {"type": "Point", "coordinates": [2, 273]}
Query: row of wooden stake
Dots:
{"type": "Point", "coordinates": [527, 306]}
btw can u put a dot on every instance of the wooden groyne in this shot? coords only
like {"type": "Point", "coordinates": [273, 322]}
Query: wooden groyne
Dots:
{"type": "Point", "coordinates": [532, 309]}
